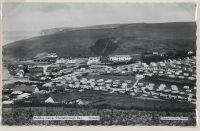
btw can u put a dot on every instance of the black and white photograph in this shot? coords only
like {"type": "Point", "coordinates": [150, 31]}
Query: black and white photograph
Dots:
{"type": "Point", "coordinates": [99, 64]}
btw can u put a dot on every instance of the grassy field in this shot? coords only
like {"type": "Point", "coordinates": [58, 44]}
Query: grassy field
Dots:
{"type": "Point", "coordinates": [102, 99]}
{"type": "Point", "coordinates": [24, 116]}
{"type": "Point", "coordinates": [112, 77]}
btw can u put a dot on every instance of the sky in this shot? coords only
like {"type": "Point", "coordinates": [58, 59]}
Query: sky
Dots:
{"type": "Point", "coordinates": [38, 16]}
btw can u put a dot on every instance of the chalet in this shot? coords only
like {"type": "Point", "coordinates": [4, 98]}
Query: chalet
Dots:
{"type": "Point", "coordinates": [191, 78]}
{"type": "Point", "coordinates": [167, 90]}
{"type": "Point", "coordinates": [172, 76]}
{"type": "Point", "coordinates": [16, 93]}
{"type": "Point", "coordinates": [174, 87]}
{"type": "Point", "coordinates": [8, 102]}
{"type": "Point", "coordinates": [190, 52]}
{"type": "Point", "coordinates": [155, 53]}
{"type": "Point", "coordinates": [186, 74]}
{"type": "Point", "coordinates": [186, 87]}
{"type": "Point", "coordinates": [71, 61]}
{"type": "Point", "coordinates": [24, 95]}
{"type": "Point", "coordinates": [181, 77]}
{"type": "Point", "coordinates": [132, 94]}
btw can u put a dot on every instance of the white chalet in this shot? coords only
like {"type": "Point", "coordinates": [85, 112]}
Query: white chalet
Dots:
{"type": "Point", "coordinates": [71, 61]}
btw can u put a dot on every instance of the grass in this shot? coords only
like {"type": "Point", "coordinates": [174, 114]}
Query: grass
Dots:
{"type": "Point", "coordinates": [134, 38]}
{"type": "Point", "coordinates": [112, 77]}
{"type": "Point", "coordinates": [24, 116]}
{"type": "Point", "coordinates": [101, 99]}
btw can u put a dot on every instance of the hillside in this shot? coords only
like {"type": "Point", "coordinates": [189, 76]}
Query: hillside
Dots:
{"type": "Point", "coordinates": [107, 39]}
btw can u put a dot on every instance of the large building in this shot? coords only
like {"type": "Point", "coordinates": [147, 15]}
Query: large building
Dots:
{"type": "Point", "coordinates": [120, 58]}
{"type": "Point", "coordinates": [45, 58]}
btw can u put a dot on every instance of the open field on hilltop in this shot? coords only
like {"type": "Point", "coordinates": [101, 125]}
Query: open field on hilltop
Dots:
{"type": "Point", "coordinates": [24, 116]}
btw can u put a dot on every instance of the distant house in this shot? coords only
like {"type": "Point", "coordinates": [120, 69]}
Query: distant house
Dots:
{"type": "Point", "coordinates": [155, 53]}
{"type": "Point", "coordinates": [71, 61]}
{"type": "Point", "coordinates": [172, 76]}
{"type": "Point", "coordinates": [60, 61]}
{"type": "Point", "coordinates": [186, 74]}
{"type": "Point", "coordinates": [120, 58]}
{"type": "Point", "coordinates": [36, 90]}
{"type": "Point", "coordinates": [24, 95]}
{"type": "Point", "coordinates": [20, 73]}
{"type": "Point", "coordinates": [93, 60]}
{"type": "Point", "coordinates": [8, 102]}
{"type": "Point", "coordinates": [190, 52]}
{"type": "Point", "coordinates": [49, 100]}
{"type": "Point", "coordinates": [49, 84]}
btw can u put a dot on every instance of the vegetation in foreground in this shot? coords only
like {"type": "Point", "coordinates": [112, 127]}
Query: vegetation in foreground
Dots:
{"type": "Point", "coordinates": [24, 116]}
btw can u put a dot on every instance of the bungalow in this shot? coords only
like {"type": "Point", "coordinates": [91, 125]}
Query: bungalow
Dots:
{"type": "Point", "coordinates": [82, 102]}
{"type": "Point", "coordinates": [124, 85]}
{"type": "Point", "coordinates": [191, 78]}
{"type": "Point", "coordinates": [167, 90]}
{"type": "Point", "coordinates": [16, 93]}
{"type": "Point", "coordinates": [186, 74]}
{"type": "Point", "coordinates": [174, 87]}
{"type": "Point", "coordinates": [138, 76]}
{"type": "Point", "coordinates": [172, 76]}
{"type": "Point", "coordinates": [181, 77]}
{"type": "Point", "coordinates": [180, 97]}
{"type": "Point", "coordinates": [161, 87]}
{"type": "Point", "coordinates": [132, 94]}
{"type": "Point", "coordinates": [8, 102]}
{"type": "Point", "coordinates": [49, 84]}
{"type": "Point", "coordinates": [108, 81]}
{"type": "Point", "coordinates": [155, 53]}
{"type": "Point", "coordinates": [163, 95]}
{"type": "Point", "coordinates": [186, 87]}
{"type": "Point", "coordinates": [24, 95]}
